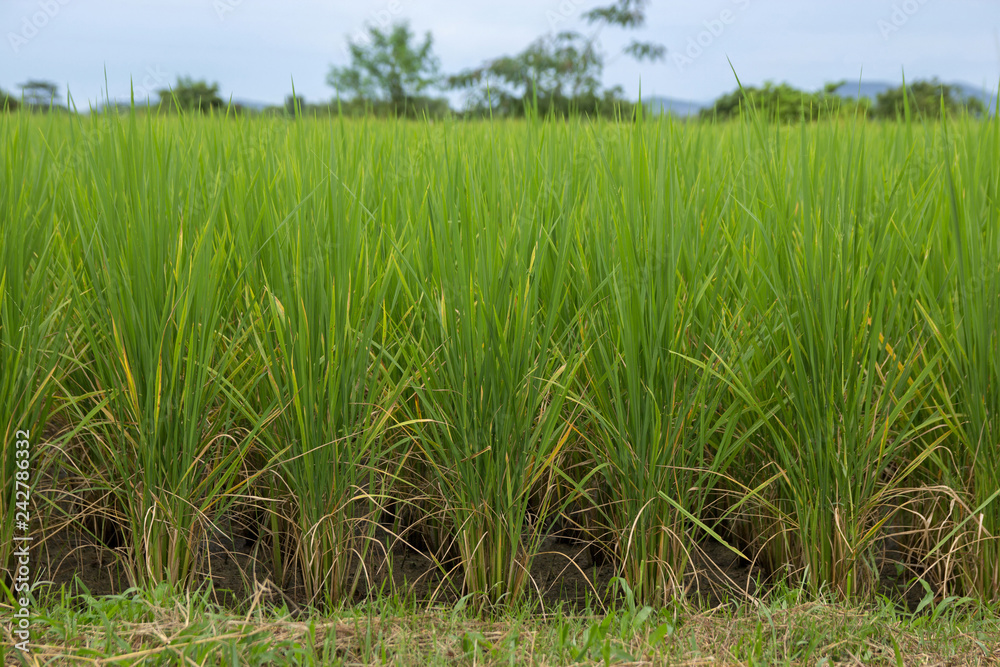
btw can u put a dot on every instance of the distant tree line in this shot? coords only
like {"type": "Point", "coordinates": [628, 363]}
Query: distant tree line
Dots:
{"type": "Point", "coordinates": [393, 73]}
{"type": "Point", "coordinates": [926, 99]}
{"type": "Point", "coordinates": [534, 81]}
{"type": "Point", "coordinates": [40, 96]}
{"type": "Point", "coordinates": [8, 103]}
{"type": "Point", "coordinates": [784, 103]}
{"type": "Point", "coordinates": [191, 96]}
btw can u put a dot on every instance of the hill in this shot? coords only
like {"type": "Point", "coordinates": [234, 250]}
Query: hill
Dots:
{"type": "Point", "coordinates": [872, 89]}
{"type": "Point", "coordinates": [681, 108]}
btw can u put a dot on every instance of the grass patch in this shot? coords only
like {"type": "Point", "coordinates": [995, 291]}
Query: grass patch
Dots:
{"type": "Point", "coordinates": [790, 627]}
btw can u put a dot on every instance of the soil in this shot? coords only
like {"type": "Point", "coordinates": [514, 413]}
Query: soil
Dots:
{"type": "Point", "coordinates": [568, 571]}
{"type": "Point", "coordinates": [564, 573]}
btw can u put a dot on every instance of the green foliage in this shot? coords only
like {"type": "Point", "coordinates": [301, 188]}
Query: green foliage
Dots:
{"type": "Point", "coordinates": [319, 320]}
{"type": "Point", "coordinates": [163, 627]}
{"type": "Point", "coordinates": [494, 364]}
{"type": "Point", "coordinates": [629, 14]}
{"type": "Point", "coordinates": [968, 243]}
{"type": "Point", "coordinates": [784, 336]}
{"type": "Point", "coordinates": [189, 95]}
{"type": "Point", "coordinates": [660, 423]}
{"type": "Point", "coordinates": [416, 107]}
{"type": "Point", "coordinates": [838, 416]}
{"type": "Point", "coordinates": [557, 74]}
{"type": "Point", "coordinates": [926, 100]}
{"type": "Point", "coordinates": [34, 335]}
{"type": "Point", "coordinates": [8, 103]}
{"type": "Point", "coordinates": [560, 74]}
{"type": "Point", "coordinates": [295, 104]}
{"type": "Point", "coordinates": [162, 341]}
{"type": "Point", "coordinates": [783, 103]}
{"type": "Point", "coordinates": [388, 69]}
{"type": "Point", "coordinates": [39, 95]}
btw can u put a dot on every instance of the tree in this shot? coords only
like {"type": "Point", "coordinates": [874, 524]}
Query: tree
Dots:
{"type": "Point", "coordinates": [8, 103]}
{"type": "Point", "coordinates": [925, 99]}
{"type": "Point", "coordinates": [554, 70]}
{"type": "Point", "coordinates": [630, 14]}
{"type": "Point", "coordinates": [388, 67]}
{"type": "Point", "coordinates": [190, 95]}
{"type": "Point", "coordinates": [39, 94]}
{"type": "Point", "coordinates": [294, 105]}
{"type": "Point", "coordinates": [783, 103]}
{"type": "Point", "coordinates": [561, 73]}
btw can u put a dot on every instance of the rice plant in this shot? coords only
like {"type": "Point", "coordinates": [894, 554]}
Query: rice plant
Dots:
{"type": "Point", "coordinates": [326, 347]}
{"type": "Point", "coordinates": [493, 368]}
{"type": "Point", "coordinates": [161, 341]}
{"type": "Point", "coordinates": [662, 426]}
{"type": "Point", "coordinates": [781, 336]}
{"type": "Point", "coordinates": [34, 327]}
{"type": "Point", "coordinates": [961, 304]}
{"type": "Point", "coordinates": [829, 304]}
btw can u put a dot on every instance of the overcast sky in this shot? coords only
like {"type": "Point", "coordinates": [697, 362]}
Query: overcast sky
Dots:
{"type": "Point", "coordinates": [254, 48]}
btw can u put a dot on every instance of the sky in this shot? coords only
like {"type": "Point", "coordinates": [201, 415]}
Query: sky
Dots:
{"type": "Point", "coordinates": [255, 48]}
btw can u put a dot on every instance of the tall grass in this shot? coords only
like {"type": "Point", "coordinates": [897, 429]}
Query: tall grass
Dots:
{"type": "Point", "coordinates": [321, 331]}
{"type": "Point", "coordinates": [833, 297]}
{"type": "Point", "coordinates": [962, 308]}
{"type": "Point", "coordinates": [493, 366]}
{"type": "Point", "coordinates": [161, 341]}
{"type": "Point", "coordinates": [34, 327]}
{"type": "Point", "coordinates": [663, 429]}
{"type": "Point", "coordinates": [782, 336]}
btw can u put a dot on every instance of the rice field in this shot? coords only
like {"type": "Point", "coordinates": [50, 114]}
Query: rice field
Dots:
{"type": "Point", "coordinates": [646, 336]}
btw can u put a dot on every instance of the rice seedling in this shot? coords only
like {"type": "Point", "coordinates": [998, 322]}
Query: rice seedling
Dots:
{"type": "Point", "coordinates": [33, 323]}
{"type": "Point", "coordinates": [161, 342]}
{"type": "Point", "coordinates": [493, 367]}
{"type": "Point", "coordinates": [322, 333]}
{"type": "Point", "coordinates": [682, 331]}
{"type": "Point", "coordinates": [662, 426]}
{"type": "Point", "coordinates": [828, 301]}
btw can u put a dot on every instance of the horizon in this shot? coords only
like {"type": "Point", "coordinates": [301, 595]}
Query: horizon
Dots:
{"type": "Point", "coordinates": [988, 95]}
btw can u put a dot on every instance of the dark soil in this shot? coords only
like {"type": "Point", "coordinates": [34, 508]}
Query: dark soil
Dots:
{"type": "Point", "coordinates": [568, 571]}
{"type": "Point", "coordinates": [563, 573]}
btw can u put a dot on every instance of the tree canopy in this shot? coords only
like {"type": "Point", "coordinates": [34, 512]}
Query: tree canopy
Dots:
{"type": "Point", "coordinates": [925, 99]}
{"type": "Point", "coordinates": [628, 14]}
{"type": "Point", "coordinates": [190, 95]}
{"type": "Point", "coordinates": [388, 67]}
{"type": "Point", "coordinates": [8, 102]}
{"type": "Point", "coordinates": [556, 71]}
{"type": "Point", "coordinates": [784, 103]}
{"type": "Point", "coordinates": [39, 94]}
{"type": "Point", "coordinates": [559, 73]}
